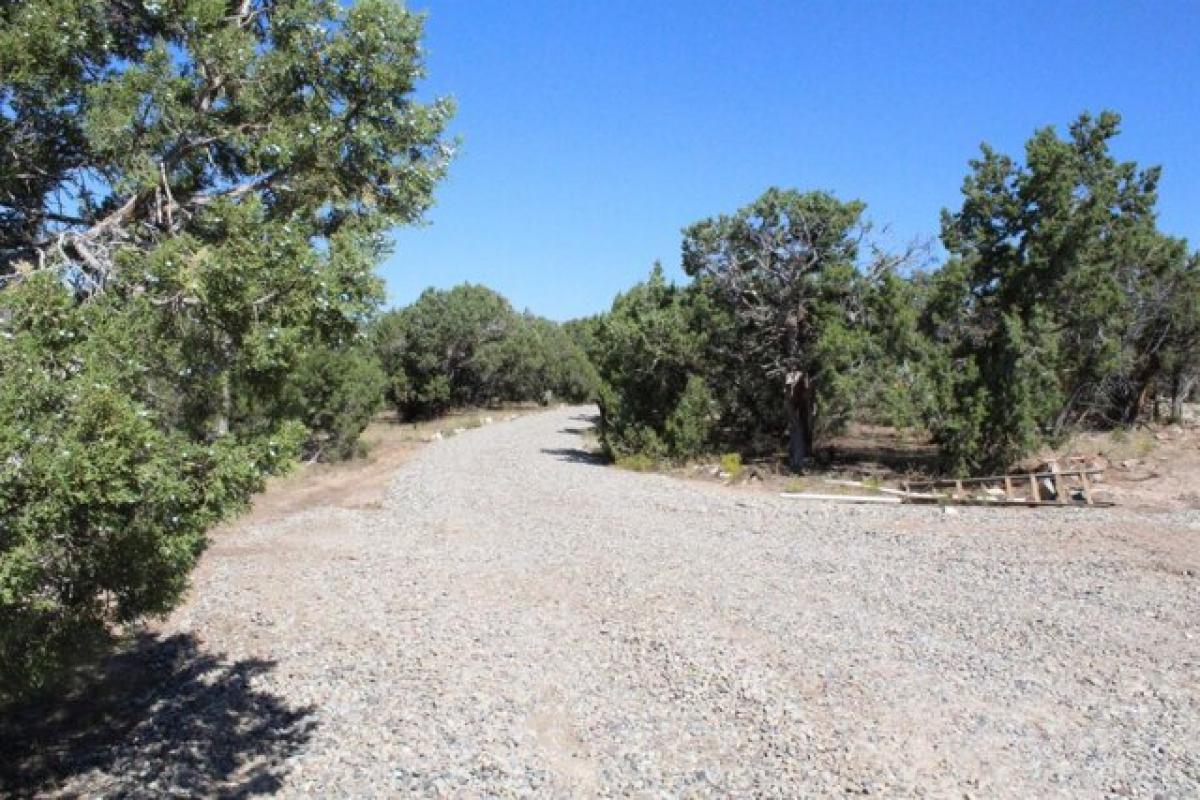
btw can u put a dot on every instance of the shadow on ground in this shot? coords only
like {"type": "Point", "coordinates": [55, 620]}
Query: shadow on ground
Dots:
{"type": "Point", "coordinates": [162, 718]}
{"type": "Point", "coordinates": [898, 459]}
{"type": "Point", "coordinates": [576, 455]}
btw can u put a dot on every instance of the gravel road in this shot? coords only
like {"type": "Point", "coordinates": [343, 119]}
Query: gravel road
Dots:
{"type": "Point", "coordinates": [518, 621]}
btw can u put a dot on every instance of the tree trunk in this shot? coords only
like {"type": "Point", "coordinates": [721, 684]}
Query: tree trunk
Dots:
{"type": "Point", "coordinates": [1182, 389]}
{"type": "Point", "coordinates": [800, 420]}
{"type": "Point", "coordinates": [1066, 413]}
{"type": "Point", "coordinates": [221, 426]}
{"type": "Point", "coordinates": [1137, 405]}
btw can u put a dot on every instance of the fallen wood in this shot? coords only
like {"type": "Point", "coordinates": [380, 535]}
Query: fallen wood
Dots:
{"type": "Point", "coordinates": [843, 498]}
{"type": "Point", "coordinates": [1001, 478]}
{"type": "Point", "coordinates": [1056, 487]}
{"type": "Point", "coordinates": [886, 490]}
{"type": "Point", "coordinates": [914, 495]}
{"type": "Point", "coordinates": [979, 492]}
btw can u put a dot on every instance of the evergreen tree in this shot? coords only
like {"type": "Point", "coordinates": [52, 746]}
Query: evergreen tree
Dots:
{"type": "Point", "coordinates": [649, 349]}
{"type": "Point", "coordinates": [193, 196]}
{"type": "Point", "coordinates": [787, 267]}
{"type": "Point", "coordinates": [467, 346]}
{"type": "Point", "coordinates": [1058, 301]}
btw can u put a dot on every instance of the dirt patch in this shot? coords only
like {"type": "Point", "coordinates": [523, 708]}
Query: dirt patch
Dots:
{"type": "Point", "coordinates": [1151, 468]}
{"type": "Point", "coordinates": [361, 483]}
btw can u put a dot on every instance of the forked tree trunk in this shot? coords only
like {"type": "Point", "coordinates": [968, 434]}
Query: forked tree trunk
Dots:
{"type": "Point", "coordinates": [800, 420]}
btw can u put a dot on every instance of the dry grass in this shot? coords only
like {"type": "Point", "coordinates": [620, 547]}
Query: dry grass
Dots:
{"type": "Point", "coordinates": [821, 485]}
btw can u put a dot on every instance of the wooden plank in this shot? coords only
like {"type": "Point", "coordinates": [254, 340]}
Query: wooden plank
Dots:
{"type": "Point", "coordinates": [885, 489]}
{"type": "Point", "coordinates": [914, 495]}
{"type": "Point", "coordinates": [997, 478]}
{"type": "Point", "coordinates": [1035, 493]}
{"type": "Point", "coordinates": [1087, 489]}
{"type": "Point", "coordinates": [843, 498]}
{"type": "Point", "coordinates": [1060, 488]}
{"type": "Point", "coordinates": [1008, 487]}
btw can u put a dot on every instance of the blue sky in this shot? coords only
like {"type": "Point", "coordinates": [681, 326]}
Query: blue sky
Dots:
{"type": "Point", "coordinates": [592, 132]}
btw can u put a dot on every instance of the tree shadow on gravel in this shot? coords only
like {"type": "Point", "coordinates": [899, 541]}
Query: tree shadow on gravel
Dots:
{"type": "Point", "coordinates": [575, 455]}
{"type": "Point", "coordinates": [162, 718]}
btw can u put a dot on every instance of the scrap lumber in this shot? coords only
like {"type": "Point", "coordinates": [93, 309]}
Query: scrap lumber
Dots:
{"type": "Point", "coordinates": [901, 493]}
{"type": "Point", "coordinates": [1040, 485]}
{"type": "Point", "coordinates": [843, 498]}
{"type": "Point", "coordinates": [990, 490]}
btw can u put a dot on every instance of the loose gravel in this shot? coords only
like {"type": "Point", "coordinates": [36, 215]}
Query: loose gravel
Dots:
{"type": "Point", "coordinates": [519, 621]}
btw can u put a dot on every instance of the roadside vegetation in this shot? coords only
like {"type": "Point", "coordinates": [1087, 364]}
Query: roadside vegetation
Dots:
{"type": "Point", "coordinates": [467, 346]}
{"type": "Point", "coordinates": [1061, 307]}
{"type": "Point", "coordinates": [192, 202]}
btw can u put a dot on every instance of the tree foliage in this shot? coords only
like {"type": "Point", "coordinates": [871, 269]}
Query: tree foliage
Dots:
{"type": "Point", "coordinates": [1061, 305]}
{"type": "Point", "coordinates": [193, 196]}
{"type": "Point", "coordinates": [103, 503]}
{"type": "Point", "coordinates": [782, 328]}
{"type": "Point", "coordinates": [787, 267]}
{"type": "Point", "coordinates": [647, 349]}
{"type": "Point", "coordinates": [467, 346]}
{"type": "Point", "coordinates": [1064, 302]}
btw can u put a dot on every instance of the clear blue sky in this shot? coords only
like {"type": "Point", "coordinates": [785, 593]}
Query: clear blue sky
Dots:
{"type": "Point", "coordinates": [592, 132]}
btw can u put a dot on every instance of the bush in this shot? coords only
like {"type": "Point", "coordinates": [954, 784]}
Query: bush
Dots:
{"type": "Point", "coordinates": [690, 425]}
{"type": "Point", "coordinates": [102, 509]}
{"type": "Point", "coordinates": [648, 351]}
{"type": "Point", "coordinates": [468, 347]}
{"type": "Point", "coordinates": [731, 465]}
{"type": "Point", "coordinates": [147, 359]}
{"type": "Point", "coordinates": [335, 393]}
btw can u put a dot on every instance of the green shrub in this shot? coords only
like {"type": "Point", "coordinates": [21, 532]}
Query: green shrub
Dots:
{"type": "Point", "coordinates": [102, 509]}
{"type": "Point", "coordinates": [637, 462]}
{"type": "Point", "coordinates": [731, 465]}
{"type": "Point", "coordinates": [467, 346]}
{"type": "Point", "coordinates": [690, 425]}
{"type": "Point", "coordinates": [335, 393]}
{"type": "Point", "coordinates": [153, 364]}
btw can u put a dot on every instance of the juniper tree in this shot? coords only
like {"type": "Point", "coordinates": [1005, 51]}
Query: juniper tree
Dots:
{"type": "Point", "coordinates": [650, 349]}
{"type": "Point", "coordinates": [1059, 306]}
{"type": "Point", "coordinates": [467, 346]}
{"type": "Point", "coordinates": [792, 270]}
{"type": "Point", "coordinates": [217, 176]}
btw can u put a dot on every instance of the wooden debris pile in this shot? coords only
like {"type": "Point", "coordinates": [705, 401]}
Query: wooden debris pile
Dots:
{"type": "Point", "coordinates": [1047, 487]}
{"type": "Point", "coordinates": [1053, 487]}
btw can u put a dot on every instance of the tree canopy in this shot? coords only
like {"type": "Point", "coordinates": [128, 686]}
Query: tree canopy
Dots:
{"type": "Point", "coordinates": [787, 267]}
{"type": "Point", "coordinates": [193, 196]}
{"type": "Point", "coordinates": [1061, 305]}
{"type": "Point", "coordinates": [467, 346]}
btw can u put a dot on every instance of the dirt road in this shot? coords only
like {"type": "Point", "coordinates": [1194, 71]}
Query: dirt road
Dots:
{"type": "Point", "coordinates": [515, 620]}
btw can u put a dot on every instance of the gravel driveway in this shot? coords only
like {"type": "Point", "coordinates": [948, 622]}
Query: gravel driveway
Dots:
{"type": "Point", "coordinates": [516, 621]}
